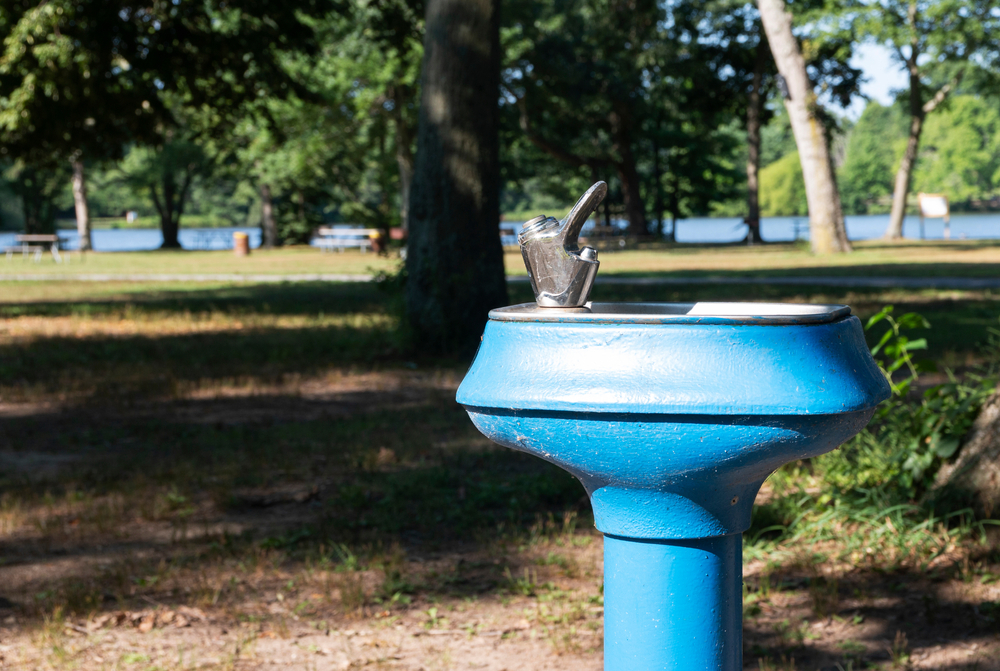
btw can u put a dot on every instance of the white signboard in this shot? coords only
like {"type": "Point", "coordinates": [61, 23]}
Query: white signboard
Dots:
{"type": "Point", "coordinates": [933, 205]}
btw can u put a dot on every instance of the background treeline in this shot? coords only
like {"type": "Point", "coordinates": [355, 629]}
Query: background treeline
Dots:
{"type": "Point", "coordinates": [287, 120]}
{"type": "Point", "coordinates": [960, 157]}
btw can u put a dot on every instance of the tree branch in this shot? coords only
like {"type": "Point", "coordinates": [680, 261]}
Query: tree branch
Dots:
{"type": "Point", "coordinates": [943, 92]}
{"type": "Point", "coordinates": [182, 195]}
{"type": "Point", "coordinates": [548, 147]}
{"type": "Point", "coordinates": [156, 199]}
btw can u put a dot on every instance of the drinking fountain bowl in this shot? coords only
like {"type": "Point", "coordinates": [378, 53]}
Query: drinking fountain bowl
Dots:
{"type": "Point", "coordinates": [671, 415]}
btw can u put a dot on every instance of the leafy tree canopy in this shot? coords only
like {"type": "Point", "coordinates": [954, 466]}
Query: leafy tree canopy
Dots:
{"type": "Point", "coordinates": [87, 76]}
{"type": "Point", "coordinates": [961, 154]}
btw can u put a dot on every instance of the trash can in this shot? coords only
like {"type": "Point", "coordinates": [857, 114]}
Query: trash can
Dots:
{"type": "Point", "coordinates": [241, 244]}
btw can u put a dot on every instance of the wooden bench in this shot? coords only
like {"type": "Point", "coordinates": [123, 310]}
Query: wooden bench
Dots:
{"type": "Point", "coordinates": [329, 238]}
{"type": "Point", "coordinates": [36, 245]}
{"type": "Point", "coordinates": [508, 233]}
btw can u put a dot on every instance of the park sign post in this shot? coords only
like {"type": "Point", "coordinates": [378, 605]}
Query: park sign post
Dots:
{"type": "Point", "coordinates": [671, 415]}
{"type": "Point", "coordinates": [934, 206]}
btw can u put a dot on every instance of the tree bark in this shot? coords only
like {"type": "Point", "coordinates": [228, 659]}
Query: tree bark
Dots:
{"type": "Point", "coordinates": [753, 149]}
{"type": "Point", "coordinates": [170, 205]}
{"type": "Point", "coordinates": [300, 202]}
{"type": "Point", "coordinates": [165, 206]}
{"type": "Point", "coordinates": [826, 219]}
{"type": "Point", "coordinates": [635, 209]}
{"type": "Point", "coordinates": [673, 207]}
{"type": "Point", "coordinates": [454, 264]}
{"type": "Point", "coordinates": [80, 203]}
{"type": "Point", "coordinates": [901, 189]}
{"type": "Point", "coordinates": [404, 161]}
{"type": "Point", "coordinates": [973, 479]}
{"type": "Point", "coordinates": [918, 113]}
{"type": "Point", "coordinates": [658, 205]}
{"type": "Point", "coordinates": [268, 226]}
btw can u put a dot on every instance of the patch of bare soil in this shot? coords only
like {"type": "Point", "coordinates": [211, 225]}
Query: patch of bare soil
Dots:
{"type": "Point", "coordinates": [92, 584]}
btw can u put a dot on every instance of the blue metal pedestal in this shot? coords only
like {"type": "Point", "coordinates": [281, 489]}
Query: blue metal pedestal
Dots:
{"type": "Point", "coordinates": [673, 605]}
{"type": "Point", "coordinates": [672, 416]}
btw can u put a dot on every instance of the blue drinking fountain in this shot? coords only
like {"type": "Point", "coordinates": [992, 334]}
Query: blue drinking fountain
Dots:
{"type": "Point", "coordinates": [671, 415]}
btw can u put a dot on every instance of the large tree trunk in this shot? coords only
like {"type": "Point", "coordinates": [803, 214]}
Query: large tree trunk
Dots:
{"type": "Point", "coordinates": [80, 203]}
{"type": "Point", "coordinates": [753, 149]}
{"type": "Point", "coordinates": [973, 479]}
{"type": "Point", "coordinates": [673, 207]}
{"type": "Point", "coordinates": [658, 205]}
{"type": "Point", "coordinates": [826, 219]}
{"type": "Point", "coordinates": [404, 160]}
{"type": "Point", "coordinates": [169, 219]}
{"type": "Point", "coordinates": [268, 226]}
{"type": "Point", "coordinates": [454, 261]}
{"type": "Point", "coordinates": [628, 175]}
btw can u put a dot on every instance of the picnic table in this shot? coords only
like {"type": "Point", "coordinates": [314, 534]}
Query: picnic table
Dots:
{"type": "Point", "coordinates": [35, 244]}
{"type": "Point", "coordinates": [508, 233]}
{"type": "Point", "coordinates": [329, 238]}
{"type": "Point", "coordinates": [213, 239]}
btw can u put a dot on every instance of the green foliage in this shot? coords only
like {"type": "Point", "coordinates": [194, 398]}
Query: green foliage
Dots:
{"type": "Point", "coordinates": [960, 157]}
{"type": "Point", "coordinates": [782, 189]}
{"type": "Point", "coordinates": [892, 351]}
{"type": "Point", "coordinates": [88, 76]}
{"type": "Point", "coordinates": [337, 152]}
{"type": "Point", "coordinates": [873, 149]}
{"type": "Point", "coordinates": [633, 98]}
{"type": "Point", "coordinates": [11, 214]}
{"type": "Point", "coordinates": [909, 439]}
{"type": "Point", "coordinates": [41, 192]}
{"type": "Point", "coordinates": [776, 140]}
{"type": "Point", "coordinates": [961, 151]}
{"type": "Point", "coordinates": [870, 496]}
{"type": "Point", "coordinates": [166, 174]}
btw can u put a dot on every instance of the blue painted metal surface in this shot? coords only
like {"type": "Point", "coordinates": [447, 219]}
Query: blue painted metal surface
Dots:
{"type": "Point", "coordinates": [674, 605]}
{"type": "Point", "coordinates": [672, 426]}
{"type": "Point", "coordinates": [674, 368]}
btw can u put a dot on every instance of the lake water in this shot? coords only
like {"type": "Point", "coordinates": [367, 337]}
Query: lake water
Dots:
{"type": "Point", "coordinates": [786, 229]}
{"type": "Point", "coordinates": [695, 230]}
{"type": "Point", "coordinates": [141, 239]}
{"type": "Point", "coordinates": [863, 227]}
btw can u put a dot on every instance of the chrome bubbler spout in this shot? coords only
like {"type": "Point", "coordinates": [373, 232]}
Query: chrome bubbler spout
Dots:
{"type": "Point", "coordinates": [561, 273]}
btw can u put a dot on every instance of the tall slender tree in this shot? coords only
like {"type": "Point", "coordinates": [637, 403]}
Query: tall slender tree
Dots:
{"type": "Point", "coordinates": [936, 42]}
{"type": "Point", "coordinates": [455, 271]}
{"type": "Point", "coordinates": [826, 217]}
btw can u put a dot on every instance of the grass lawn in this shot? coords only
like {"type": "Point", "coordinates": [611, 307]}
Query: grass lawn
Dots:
{"type": "Point", "coordinates": [290, 260]}
{"type": "Point", "coordinates": [960, 258]}
{"type": "Point", "coordinates": [238, 475]}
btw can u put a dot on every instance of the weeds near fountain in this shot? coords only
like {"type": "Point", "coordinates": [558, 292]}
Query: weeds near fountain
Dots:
{"type": "Point", "coordinates": [900, 651]}
{"type": "Point", "coordinates": [783, 664]}
{"type": "Point", "coordinates": [825, 597]}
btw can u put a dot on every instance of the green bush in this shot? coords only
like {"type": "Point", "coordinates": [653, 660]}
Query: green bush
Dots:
{"type": "Point", "coordinates": [909, 439]}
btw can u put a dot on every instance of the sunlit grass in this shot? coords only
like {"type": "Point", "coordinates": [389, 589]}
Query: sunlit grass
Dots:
{"type": "Point", "coordinates": [295, 260]}
{"type": "Point", "coordinates": [974, 258]}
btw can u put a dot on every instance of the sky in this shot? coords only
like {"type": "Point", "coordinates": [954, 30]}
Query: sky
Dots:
{"type": "Point", "coordinates": [882, 73]}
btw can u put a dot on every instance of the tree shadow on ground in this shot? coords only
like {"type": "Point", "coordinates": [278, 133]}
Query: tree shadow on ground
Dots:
{"type": "Point", "coordinates": [360, 469]}
{"type": "Point", "coordinates": [251, 352]}
{"type": "Point", "coordinates": [278, 299]}
{"type": "Point", "coordinates": [870, 619]}
{"type": "Point", "coordinates": [394, 490]}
